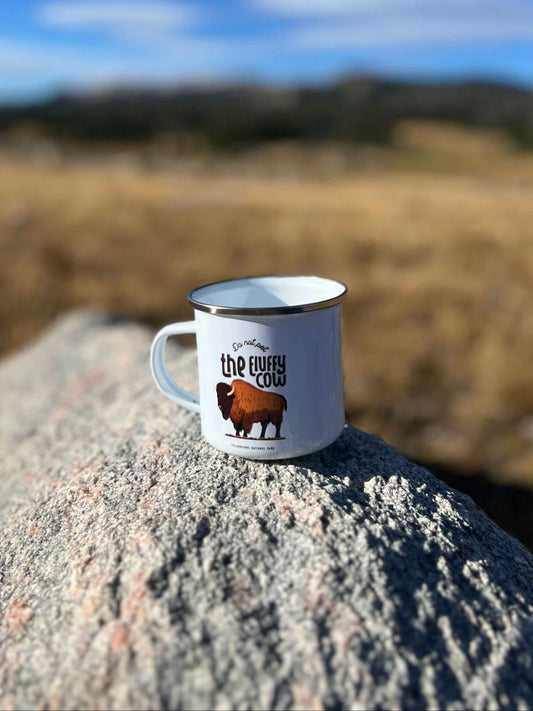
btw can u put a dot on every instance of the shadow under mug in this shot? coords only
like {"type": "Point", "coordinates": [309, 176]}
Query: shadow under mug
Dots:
{"type": "Point", "coordinates": [269, 364]}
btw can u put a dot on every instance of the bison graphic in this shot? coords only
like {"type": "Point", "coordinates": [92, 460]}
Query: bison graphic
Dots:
{"type": "Point", "coordinates": [245, 404]}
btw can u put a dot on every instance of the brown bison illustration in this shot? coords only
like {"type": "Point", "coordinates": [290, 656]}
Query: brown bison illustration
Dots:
{"type": "Point", "coordinates": [245, 404]}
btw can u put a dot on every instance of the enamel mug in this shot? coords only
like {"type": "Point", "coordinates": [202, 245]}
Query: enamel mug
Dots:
{"type": "Point", "coordinates": [269, 362]}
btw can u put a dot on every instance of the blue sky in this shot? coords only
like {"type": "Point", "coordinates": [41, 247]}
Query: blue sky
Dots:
{"type": "Point", "coordinates": [52, 45]}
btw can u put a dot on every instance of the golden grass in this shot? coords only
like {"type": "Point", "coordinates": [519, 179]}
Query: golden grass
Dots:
{"type": "Point", "coordinates": [438, 324]}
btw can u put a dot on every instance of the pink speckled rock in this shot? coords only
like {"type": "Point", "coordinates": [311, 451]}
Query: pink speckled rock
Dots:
{"type": "Point", "coordinates": [142, 569]}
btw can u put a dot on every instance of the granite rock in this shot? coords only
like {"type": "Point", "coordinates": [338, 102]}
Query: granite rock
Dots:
{"type": "Point", "coordinates": [142, 569]}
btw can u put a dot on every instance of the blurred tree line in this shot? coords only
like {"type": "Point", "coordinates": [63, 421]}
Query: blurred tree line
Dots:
{"type": "Point", "coordinates": [359, 109]}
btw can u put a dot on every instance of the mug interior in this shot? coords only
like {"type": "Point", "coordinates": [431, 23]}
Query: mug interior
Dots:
{"type": "Point", "coordinates": [269, 294]}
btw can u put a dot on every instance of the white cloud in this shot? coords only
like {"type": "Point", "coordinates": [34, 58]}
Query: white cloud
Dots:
{"type": "Point", "coordinates": [22, 57]}
{"type": "Point", "coordinates": [418, 30]}
{"type": "Point", "coordinates": [116, 16]}
{"type": "Point", "coordinates": [153, 42]}
{"type": "Point", "coordinates": [344, 8]}
{"type": "Point", "coordinates": [65, 65]}
{"type": "Point", "coordinates": [158, 32]}
{"type": "Point", "coordinates": [322, 24]}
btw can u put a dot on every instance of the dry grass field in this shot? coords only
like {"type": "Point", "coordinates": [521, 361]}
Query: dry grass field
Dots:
{"type": "Point", "coordinates": [433, 237]}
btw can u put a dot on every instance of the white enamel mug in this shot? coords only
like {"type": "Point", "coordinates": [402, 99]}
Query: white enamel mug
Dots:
{"type": "Point", "coordinates": [269, 362]}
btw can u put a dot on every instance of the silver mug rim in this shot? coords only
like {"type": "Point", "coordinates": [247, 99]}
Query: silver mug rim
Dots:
{"type": "Point", "coordinates": [267, 310]}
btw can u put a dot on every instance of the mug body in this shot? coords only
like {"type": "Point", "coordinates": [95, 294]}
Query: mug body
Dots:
{"type": "Point", "coordinates": [271, 385]}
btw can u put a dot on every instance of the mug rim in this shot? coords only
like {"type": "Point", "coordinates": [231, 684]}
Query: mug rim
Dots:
{"type": "Point", "coordinates": [267, 310]}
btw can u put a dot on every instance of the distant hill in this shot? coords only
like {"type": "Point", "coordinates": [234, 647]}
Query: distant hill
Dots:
{"type": "Point", "coordinates": [355, 109]}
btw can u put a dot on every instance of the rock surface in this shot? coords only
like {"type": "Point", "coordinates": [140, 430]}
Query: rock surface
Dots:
{"type": "Point", "coordinates": [142, 569]}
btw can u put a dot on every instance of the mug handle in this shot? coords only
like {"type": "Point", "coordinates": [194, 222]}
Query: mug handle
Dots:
{"type": "Point", "coordinates": [159, 370]}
